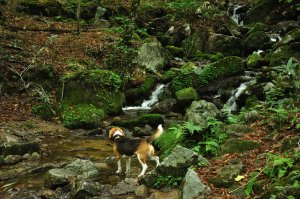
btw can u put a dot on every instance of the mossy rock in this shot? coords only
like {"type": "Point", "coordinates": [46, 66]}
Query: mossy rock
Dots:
{"type": "Point", "coordinates": [227, 45]}
{"type": "Point", "coordinates": [206, 56]}
{"type": "Point", "coordinates": [290, 37]}
{"type": "Point", "coordinates": [182, 78]}
{"type": "Point", "coordinates": [289, 143]}
{"type": "Point", "coordinates": [282, 54]}
{"type": "Point", "coordinates": [255, 60]}
{"type": "Point", "coordinates": [100, 88]}
{"type": "Point", "coordinates": [239, 128]}
{"type": "Point", "coordinates": [175, 51]}
{"type": "Point", "coordinates": [256, 40]}
{"type": "Point", "coordinates": [19, 148]}
{"type": "Point", "coordinates": [186, 96]}
{"type": "Point", "coordinates": [236, 145]}
{"type": "Point", "coordinates": [227, 67]}
{"type": "Point", "coordinates": [195, 43]}
{"type": "Point", "coordinates": [83, 116]}
{"type": "Point", "coordinates": [226, 175]}
{"type": "Point", "coordinates": [146, 119]}
{"type": "Point", "coordinates": [134, 94]}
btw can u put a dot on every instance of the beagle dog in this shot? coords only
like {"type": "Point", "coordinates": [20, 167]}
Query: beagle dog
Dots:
{"type": "Point", "coordinates": [127, 147]}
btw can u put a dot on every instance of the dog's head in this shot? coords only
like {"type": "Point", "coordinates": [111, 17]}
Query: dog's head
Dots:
{"type": "Point", "coordinates": [115, 132]}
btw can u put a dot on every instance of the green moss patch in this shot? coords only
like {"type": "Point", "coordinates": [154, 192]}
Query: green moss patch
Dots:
{"type": "Point", "coordinates": [83, 116]}
{"type": "Point", "coordinates": [149, 119]}
{"type": "Point", "coordinates": [236, 145]}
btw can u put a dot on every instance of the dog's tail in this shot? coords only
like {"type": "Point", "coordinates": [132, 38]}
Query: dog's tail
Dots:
{"type": "Point", "coordinates": [156, 135]}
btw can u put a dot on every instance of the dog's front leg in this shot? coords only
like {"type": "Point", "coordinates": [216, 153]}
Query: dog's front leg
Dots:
{"type": "Point", "coordinates": [128, 162]}
{"type": "Point", "coordinates": [119, 165]}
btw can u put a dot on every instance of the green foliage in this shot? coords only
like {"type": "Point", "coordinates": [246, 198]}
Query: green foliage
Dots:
{"type": "Point", "coordinates": [83, 116]}
{"type": "Point", "coordinates": [167, 181]}
{"type": "Point", "coordinates": [279, 165]}
{"type": "Point", "coordinates": [42, 110]}
{"type": "Point", "coordinates": [185, 5]}
{"type": "Point", "coordinates": [249, 188]}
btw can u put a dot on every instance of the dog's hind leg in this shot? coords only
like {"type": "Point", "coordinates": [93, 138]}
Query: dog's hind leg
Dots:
{"type": "Point", "coordinates": [156, 159]}
{"type": "Point", "coordinates": [128, 162]}
{"type": "Point", "coordinates": [142, 160]}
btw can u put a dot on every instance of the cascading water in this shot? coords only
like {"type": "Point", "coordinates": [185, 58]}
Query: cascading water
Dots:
{"type": "Point", "coordinates": [146, 105]}
{"type": "Point", "coordinates": [231, 103]}
{"type": "Point", "coordinates": [236, 17]}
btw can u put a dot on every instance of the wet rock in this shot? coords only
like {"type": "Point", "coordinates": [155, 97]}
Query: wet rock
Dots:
{"type": "Point", "coordinates": [236, 145]}
{"type": "Point", "coordinates": [129, 185]}
{"type": "Point", "coordinates": [48, 194]}
{"type": "Point", "coordinates": [227, 45]}
{"type": "Point", "coordinates": [140, 132]}
{"type": "Point", "coordinates": [34, 156]}
{"type": "Point", "coordinates": [225, 176]}
{"type": "Point", "coordinates": [199, 112]}
{"type": "Point", "coordinates": [142, 191]}
{"type": "Point", "coordinates": [86, 189]}
{"type": "Point", "coordinates": [176, 164]}
{"type": "Point", "coordinates": [192, 187]}
{"type": "Point", "coordinates": [79, 169]}
{"type": "Point", "coordinates": [164, 106]}
{"type": "Point", "coordinates": [12, 159]}
{"type": "Point", "coordinates": [26, 156]}
{"type": "Point", "coordinates": [282, 54]}
{"type": "Point", "coordinates": [256, 40]}
{"type": "Point", "coordinates": [16, 148]}
{"type": "Point", "coordinates": [152, 55]}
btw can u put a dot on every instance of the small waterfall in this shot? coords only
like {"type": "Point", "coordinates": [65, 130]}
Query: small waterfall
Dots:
{"type": "Point", "coordinates": [231, 102]}
{"type": "Point", "coordinates": [274, 37]}
{"type": "Point", "coordinates": [146, 105]}
{"type": "Point", "coordinates": [236, 17]}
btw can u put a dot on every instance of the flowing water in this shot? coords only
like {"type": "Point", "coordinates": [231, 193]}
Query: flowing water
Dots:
{"type": "Point", "coordinates": [146, 105]}
{"type": "Point", "coordinates": [236, 17]}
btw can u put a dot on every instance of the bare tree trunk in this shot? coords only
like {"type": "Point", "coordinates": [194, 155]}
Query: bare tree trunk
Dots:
{"type": "Point", "coordinates": [78, 16]}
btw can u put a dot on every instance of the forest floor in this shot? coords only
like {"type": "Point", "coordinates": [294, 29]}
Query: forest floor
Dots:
{"type": "Point", "coordinates": [29, 40]}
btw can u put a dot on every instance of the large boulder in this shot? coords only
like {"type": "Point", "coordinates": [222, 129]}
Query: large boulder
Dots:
{"type": "Point", "coordinates": [152, 56]}
{"type": "Point", "coordinates": [100, 88]}
{"type": "Point", "coordinates": [200, 111]}
{"type": "Point", "coordinates": [268, 11]}
{"type": "Point", "coordinates": [164, 106]}
{"type": "Point", "coordinates": [195, 43]}
{"type": "Point", "coordinates": [176, 165]}
{"type": "Point", "coordinates": [256, 40]}
{"type": "Point", "coordinates": [192, 187]}
{"type": "Point", "coordinates": [288, 47]}
{"type": "Point", "coordinates": [227, 45]}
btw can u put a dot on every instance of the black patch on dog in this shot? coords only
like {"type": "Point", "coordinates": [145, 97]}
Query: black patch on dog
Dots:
{"type": "Point", "coordinates": [126, 146]}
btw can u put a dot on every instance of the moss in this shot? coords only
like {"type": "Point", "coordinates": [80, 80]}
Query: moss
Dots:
{"type": "Point", "coordinates": [226, 67]}
{"type": "Point", "coordinates": [2, 162]}
{"type": "Point", "coordinates": [175, 51]}
{"type": "Point", "coordinates": [236, 145]}
{"type": "Point", "coordinates": [212, 57]}
{"type": "Point", "coordinates": [254, 60]}
{"type": "Point", "coordinates": [182, 78]}
{"type": "Point", "coordinates": [289, 143]}
{"type": "Point", "coordinates": [149, 119]}
{"type": "Point", "coordinates": [195, 43]}
{"type": "Point", "coordinates": [256, 27]}
{"type": "Point", "coordinates": [100, 88]}
{"type": "Point", "coordinates": [186, 95]}
{"type": "Point", "coordinates": [256, 40]}
{"type": "Point", "coordinates": [292, 36]}
{"type": "Point", "coordinates": [83, 116]}
{"type": "Point", "coordinates": [282, 54]}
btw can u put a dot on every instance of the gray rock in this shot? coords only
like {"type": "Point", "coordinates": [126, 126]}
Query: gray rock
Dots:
{"type": "Point", "coordinates": [225, 176]}
{"type": "Point", "coordinates": [12, 159]}
{"type": "Point", "coordinates": [227, 45]}
{"type": "Point", "coordinates": [129, 185]}
{"type": "Point", "coordinates": [16, 148]}
{"type": "Point", "coordinates": [152, 55]}
{"type": "Point", "coordinates": [252, 116]}
{"type": "Point", "coordinates": [142, 191]}
{"type": "Point", "coordinates": [199, 112]}
{"type": "Point", "coordinates": [164, 106]}
{"type": "Point", "coordinates": [86, 189]}
{"type": "Point", "coordinates": [77, 170]}
{"type": "Point", "coordinates": [192, 187]}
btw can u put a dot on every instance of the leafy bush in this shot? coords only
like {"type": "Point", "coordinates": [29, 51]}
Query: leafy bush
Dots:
{"type": "Point", "coordinates": [167, 180]}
